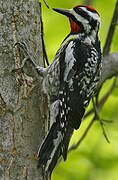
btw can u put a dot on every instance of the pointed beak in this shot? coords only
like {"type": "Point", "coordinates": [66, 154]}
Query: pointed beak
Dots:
{"type": "Point", "coordinates": [66, 12]}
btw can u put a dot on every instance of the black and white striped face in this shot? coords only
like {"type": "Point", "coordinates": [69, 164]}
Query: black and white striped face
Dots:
{"type": "Point", "coordinates": [87, 16]}
{"type": "Point", "coordinates": [82, 18]}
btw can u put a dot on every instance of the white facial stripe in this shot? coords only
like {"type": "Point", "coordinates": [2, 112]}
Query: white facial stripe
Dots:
{"type": "Point", "coordinates": [84, 21]}
{"type": "Point", "coordinates": [81, 19]}
{"type": "Point", "coordinates": [94, 15]}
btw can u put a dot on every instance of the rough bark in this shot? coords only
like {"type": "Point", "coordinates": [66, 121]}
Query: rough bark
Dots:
{"type": "Point", "coordinates": [110, 67]}
{"type": "Point", "coordinates": [21, 113]}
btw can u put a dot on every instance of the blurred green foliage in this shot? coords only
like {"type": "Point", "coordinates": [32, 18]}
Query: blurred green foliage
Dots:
{"type": "Point", "coordinates": [94, 159]}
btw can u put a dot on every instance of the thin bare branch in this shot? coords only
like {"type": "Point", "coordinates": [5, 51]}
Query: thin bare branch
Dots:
{"type": "Point", "coordinates": [100, 120]}
{"type": "Point", "coordinates": [45, 57]}
{"type": "Point", "coordinates": [46, 3]}
{"type": "Point", "coordinates": [111, 31]}
{"type": "Point", "coordinates": [75, 146]}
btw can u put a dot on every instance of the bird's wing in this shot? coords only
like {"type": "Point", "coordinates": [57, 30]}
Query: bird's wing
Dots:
{"type": "Point", "coordinates": [77, 71]}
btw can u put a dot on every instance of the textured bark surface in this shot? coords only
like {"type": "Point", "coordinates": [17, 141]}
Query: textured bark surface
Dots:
{"type": "Point", "coordinates": [110, 67]}
{"type": "Point", "coordinates": [21, 116]}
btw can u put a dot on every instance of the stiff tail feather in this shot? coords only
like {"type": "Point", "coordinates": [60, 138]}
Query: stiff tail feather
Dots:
{"type": "Point", "coordinates": [55, 144]}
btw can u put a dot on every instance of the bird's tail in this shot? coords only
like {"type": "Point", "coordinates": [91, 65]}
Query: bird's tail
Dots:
{"type": "Point", "coordinates": [55, 144]}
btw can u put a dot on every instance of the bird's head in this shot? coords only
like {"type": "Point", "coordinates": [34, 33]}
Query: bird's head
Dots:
{"type": "Point", "coordinates": [83, 18]}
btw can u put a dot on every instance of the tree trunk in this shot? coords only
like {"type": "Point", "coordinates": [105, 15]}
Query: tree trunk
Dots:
{"type": "Point", "coordinates": [21, 115]}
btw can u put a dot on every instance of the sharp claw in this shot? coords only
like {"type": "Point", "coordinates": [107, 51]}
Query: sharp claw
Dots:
{"type": "Point", "coordinates": [23, 46]}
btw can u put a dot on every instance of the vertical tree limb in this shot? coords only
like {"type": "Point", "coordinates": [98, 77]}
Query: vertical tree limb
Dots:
{"type": "Point", "coordinates": [22, 118]}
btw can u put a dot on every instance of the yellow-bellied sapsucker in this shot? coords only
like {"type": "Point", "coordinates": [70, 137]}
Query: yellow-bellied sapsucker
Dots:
{"type": "Point", "coordinates": [69, 82]}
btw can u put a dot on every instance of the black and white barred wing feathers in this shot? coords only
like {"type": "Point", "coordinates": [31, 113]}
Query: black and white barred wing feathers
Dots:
{"type": "Point", "coordinates": [78, 81]}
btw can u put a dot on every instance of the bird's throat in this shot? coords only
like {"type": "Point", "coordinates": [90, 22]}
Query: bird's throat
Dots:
{"type": "Point", "coordinates": [75, 28]}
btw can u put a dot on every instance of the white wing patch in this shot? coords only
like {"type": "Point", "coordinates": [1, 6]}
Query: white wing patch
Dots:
{"type": "Point", "coordinates": [69, 60]}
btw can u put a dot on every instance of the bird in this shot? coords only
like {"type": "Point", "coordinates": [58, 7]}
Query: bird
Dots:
{"type": "Point", "coordinates": [70, 82]}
